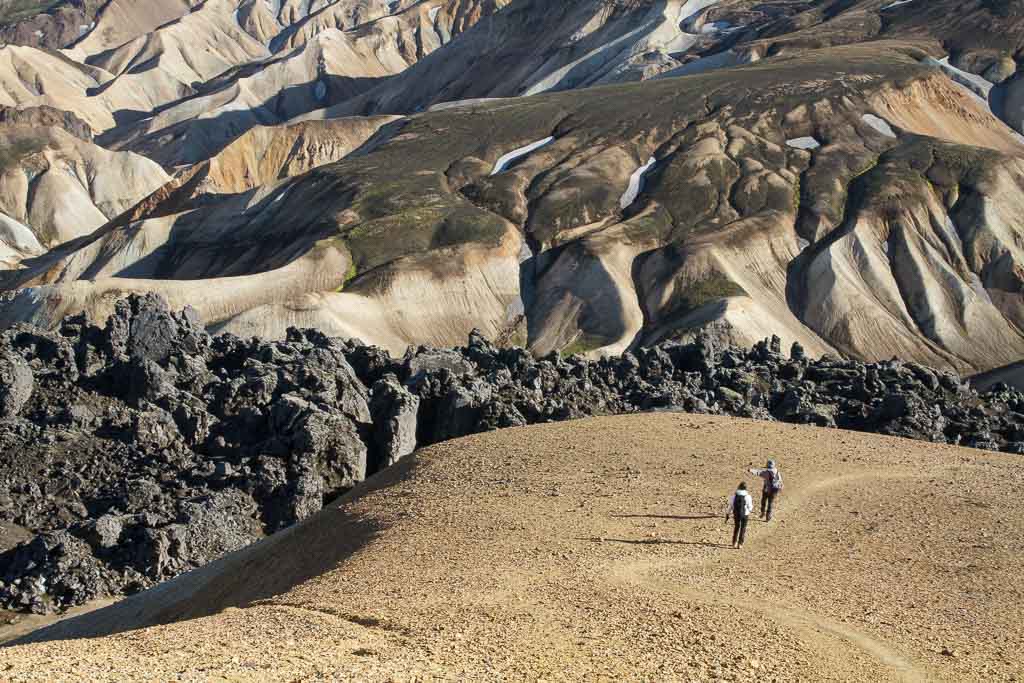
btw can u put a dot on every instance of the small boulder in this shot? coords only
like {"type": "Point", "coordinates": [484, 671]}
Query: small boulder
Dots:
{"type": "Point", "coordinates": [426, 360]}
{"type": "Point", "coordinates": [394, 411]}
{"type": "Point", "coordinates": [16, 383]}
{"type": "Point", "coordinates": [153, 334]}
{"type": "Point", "coordinates": [105, 532]}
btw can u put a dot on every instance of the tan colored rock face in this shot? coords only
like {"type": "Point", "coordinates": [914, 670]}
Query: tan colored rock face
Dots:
{"type": "Point", "coordinates": [120, 21]}
{"type": "Point", "coordinates": [719, 230]}
{"type": "Point", "coordinates": [265, 155]}
{"type": "Point", "coordinates": [853, 199]}
{"type": "Point", "coordinates": [60, 187]}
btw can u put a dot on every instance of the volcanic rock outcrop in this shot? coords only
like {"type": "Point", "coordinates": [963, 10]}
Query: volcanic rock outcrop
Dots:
{"type": "Point", "coordinates": [144, 448]}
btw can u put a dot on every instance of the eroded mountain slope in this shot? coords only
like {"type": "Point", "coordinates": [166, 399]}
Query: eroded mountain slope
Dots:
{"type": "Point", "coordinates": [63, 187]}
{"type": "Point", "coordinates": [316, 62]}
{"type": "Point", "coordinates": [800, 197]}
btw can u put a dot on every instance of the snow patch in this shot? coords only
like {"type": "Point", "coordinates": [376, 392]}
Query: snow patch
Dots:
{"type": "Point", "coordinates": [802, 243]}
{"type": "Point", "coordinates": [896, 4]}
{"type": "Point", "coordinates": [719, 60]}
{"type": "Point", "coordinates": [805, 142]}
{"type": "Point", "coordinates": [716, 27]}
{"type": "Point", "coordinates": [281, 195]}
{"type": "Point", "coordinates": [636, 184]}
{"type": "Point", "coordinates": [692, 7]}
{"type": "Point", "coordinates": [505, 161]}
{"type": "Point", "coordinates": [432, 14]}
{"type": "Point", "coordinates": [879, 124]}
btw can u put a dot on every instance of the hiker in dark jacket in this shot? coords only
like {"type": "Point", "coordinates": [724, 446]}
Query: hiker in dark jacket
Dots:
{"type": "Point", "coordinates": [772, 487]}
{"type": "Point", "coordinates": [741, 504]}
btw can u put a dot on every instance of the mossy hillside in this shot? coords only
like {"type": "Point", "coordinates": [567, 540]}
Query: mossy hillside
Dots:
{"type": "Point", "coordinates": [825, 185]}
{"type": "Point", "coordinates": [714, 286]}
{"type": "Point", "coordinates": [653, 226]}
{"type": "Point", "coordinates": [577, 202]}
{"type": "Point", "coordinates": [12, 11]}
{"type": "Point", "coordinates": [351, 274]}
{"type": "Point", "coordinates": [14, 149]}
{"type": "Point", "coordinates": [759, 193]}
{"type": "Point", "coordinates": [978, 32]}
{"type": "Point", "coordinates": [397, 200]}
{"type": "Point", "coordinates": [694, 192]}
{"type": "Point", "coordinates": [898, 176]}
{"type": "Point", "coordinates": [692, 295]}
{"type": "Point", "coordinates": [963, 26]}
{"type": "Point", "coordinates": [582, 344]}
{"type": "Point", "coordinates": [503, 194]}
{"type": "Point", "coordinates": [372, 243]}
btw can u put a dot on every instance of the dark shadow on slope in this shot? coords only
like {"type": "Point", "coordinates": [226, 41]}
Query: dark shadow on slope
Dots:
{"type": "Point", "coordinates": [533, 36]}
{"type": "Point", "coordinates": [195, 140]}
{"type": "Point", "coordinates": [260, 571]}
{"type": "Point", "coordinates": [606, 50]}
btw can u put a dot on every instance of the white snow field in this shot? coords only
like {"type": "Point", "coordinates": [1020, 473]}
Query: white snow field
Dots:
{"type": "Point", "coordinates": [636, 184]}
{"type": "Point", "coordinates": [507, 160]}
{"type": "Point", "coordinates": [893, 5]}
{"type": "Point", "coordinates": [805, 142]}
{"type": "Point", "coordinates": [879, 124]}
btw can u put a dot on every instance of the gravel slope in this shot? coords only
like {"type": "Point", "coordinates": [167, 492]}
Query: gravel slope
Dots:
{"type": "Point", "coordinates": [596, 550]}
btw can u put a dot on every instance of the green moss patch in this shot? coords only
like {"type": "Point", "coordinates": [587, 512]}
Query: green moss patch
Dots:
{"type": "Point", "coordinates": [712, 288]}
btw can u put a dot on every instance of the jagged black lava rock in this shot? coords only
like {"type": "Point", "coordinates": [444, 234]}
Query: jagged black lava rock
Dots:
{"type": "Point", "coordinates": [144, 448]}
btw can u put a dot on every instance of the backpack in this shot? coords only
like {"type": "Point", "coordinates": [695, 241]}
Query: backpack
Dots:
{"type": "Point", "coordinates": [739, 505]}
{"type": "Point", "coordinates": [775, 483]}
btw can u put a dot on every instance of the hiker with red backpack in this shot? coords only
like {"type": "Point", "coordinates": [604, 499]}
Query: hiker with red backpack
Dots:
{"type": "Point", "coordinates": [741, 504]}
{"type": "Point", "coordinates": [772, 487]}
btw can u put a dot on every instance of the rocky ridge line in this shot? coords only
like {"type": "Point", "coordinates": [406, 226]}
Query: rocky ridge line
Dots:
{"type": "Point", "coordinates": [140, 450]}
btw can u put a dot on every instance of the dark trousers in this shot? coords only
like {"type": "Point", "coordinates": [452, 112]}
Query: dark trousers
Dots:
{"type": "Point", "coordinates": [739, 530]}
{"type": "Point", "coordinates": [767, 503]}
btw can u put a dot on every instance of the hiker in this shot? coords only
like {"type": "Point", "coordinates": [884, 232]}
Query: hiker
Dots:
{"type": "Point", "coordinates": [741, 504]}
{"type": "Point", "coordinates": [772, 486]}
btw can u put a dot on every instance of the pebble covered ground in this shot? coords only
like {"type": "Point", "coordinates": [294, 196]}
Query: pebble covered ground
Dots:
{"type": "Point", "coordinates": [597, 550]}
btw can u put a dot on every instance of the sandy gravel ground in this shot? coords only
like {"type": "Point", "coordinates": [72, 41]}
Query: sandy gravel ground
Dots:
{"type": "Point", "coordinates": [597, 550]}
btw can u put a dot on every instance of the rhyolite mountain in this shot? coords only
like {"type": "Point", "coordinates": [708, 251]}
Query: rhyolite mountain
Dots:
{"type": "Point", "coordinates": [589, 176]}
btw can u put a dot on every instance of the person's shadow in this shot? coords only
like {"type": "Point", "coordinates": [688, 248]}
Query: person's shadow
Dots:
{"type": "Point", "coordinates": [684, 517]}
{"type": "Point", "coordinates": [653, 541]}
{"type": "Point", "coordinates": [658, 541]}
